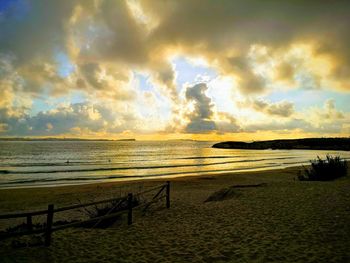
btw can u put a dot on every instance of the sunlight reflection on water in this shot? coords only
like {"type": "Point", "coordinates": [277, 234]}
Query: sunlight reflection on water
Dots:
{"type": "Point", "coordinates": [49, 163]}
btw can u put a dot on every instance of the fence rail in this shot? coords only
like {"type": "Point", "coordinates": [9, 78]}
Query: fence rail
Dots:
{"type": "Point", "coordinates": [51, 211]}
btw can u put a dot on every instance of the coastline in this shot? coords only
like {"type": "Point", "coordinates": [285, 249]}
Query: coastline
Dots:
{"type": "Point", "coordinates": [53, 193]}
{"type": "Point", "coordinates": [339, 144]}
{"type": "Point", "coordinates": [134, 161]}
{"type": "Point", "coordinates": [139, 179]}
{"type": "Point", "coordinates": [284, 221]}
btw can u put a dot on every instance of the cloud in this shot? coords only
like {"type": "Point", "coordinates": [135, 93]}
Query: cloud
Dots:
{"type": "Point", "coordinates": [203, 117]}
{"type": "Point", "coordinates": [3, 127]}
{"type": "Point", "coordinates": [327, 118]}
{"type": "Point", "coordinates": [203, 105]}
{"type": "Point", "coordinates": [261, 45]}
{"type": "Point", "coordinates": [203, 110]}
{"type": "Point", "coordinates": [64, 120]}
{"type": "Point", "coordinates": [33, 29]}
{"type": "Point", "coordinates": [331, 112]}
{"type": "Point", "coordinates": [115, 31]}
{"type": "Point", "coordinates": [281, 109]}
{"type": "Point", "coordinates": [85, 119]}
{"type": "Point", "coordinates": [106, 81]}
{"type": "Point", "coordinates": [226, 123]}
{"type": "Point", "coordinates": [274, 125]}
{"type": "Point", "coordinates": [200, 126]}
{"type": "Point", "coordinates": [229, 29]}
{"type": "Point", "coordinates": [8, 79]}
{"type": "Point", "coordinates": [101, 39]}
{"type": "Point", "coordinates": [285, 73]}
{"type": "Point", "coordinates": [316, 120]}
{"type": "Point", "coordinates": [292, 125]}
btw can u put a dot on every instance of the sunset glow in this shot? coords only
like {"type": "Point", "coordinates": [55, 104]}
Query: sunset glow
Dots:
{"type": "Point", "coordinates": [155, 70]}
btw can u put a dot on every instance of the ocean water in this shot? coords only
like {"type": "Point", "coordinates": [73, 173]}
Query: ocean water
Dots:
{"type": "Point", "coordinates": [52, 163]}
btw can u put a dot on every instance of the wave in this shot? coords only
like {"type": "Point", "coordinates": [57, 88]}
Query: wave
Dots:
{"type": "Point", "coordinates": [108, 162]}
{"type": "Point", "coordinates": [70, 163]}
{"type": "Point", "coordinates": [100, 169]}
{"type": "Point", "coordinates": [45, 180]}
{"type": "Point", "coordinates": [207, 157]}
{"type": "Point", "coordinates": [106, 178]}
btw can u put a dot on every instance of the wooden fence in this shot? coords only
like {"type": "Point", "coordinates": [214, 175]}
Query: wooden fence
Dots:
{"type": "Point", "coordinates": [51, 210]}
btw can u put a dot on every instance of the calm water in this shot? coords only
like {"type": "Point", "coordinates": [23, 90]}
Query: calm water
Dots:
{"type": "Point", "coordinates": [50, 163]}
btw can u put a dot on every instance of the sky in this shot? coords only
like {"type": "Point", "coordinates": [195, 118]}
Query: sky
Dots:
{"type": "Point", "coordinates": [185, 69]}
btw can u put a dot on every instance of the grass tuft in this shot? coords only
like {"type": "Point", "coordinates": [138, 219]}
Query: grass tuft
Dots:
{"type": "Point", "coordinates": [328, 169]}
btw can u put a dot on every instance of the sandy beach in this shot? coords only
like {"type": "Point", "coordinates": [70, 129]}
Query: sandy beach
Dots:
{"type": "Point", "coordinates": [284, 220]}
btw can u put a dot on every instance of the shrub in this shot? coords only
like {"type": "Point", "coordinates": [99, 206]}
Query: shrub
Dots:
{"type": "Point", "coordinates": [327, 169]}
{"type": "Point", "coordinates": [109, 208]}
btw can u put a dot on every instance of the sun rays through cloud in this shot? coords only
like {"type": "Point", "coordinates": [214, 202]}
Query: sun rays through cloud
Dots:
{"type": "Point", "coordinates": [174, 69]}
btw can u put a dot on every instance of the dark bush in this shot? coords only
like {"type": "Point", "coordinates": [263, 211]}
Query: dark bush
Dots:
{"type": "Point", "coordinates": [110, 208]}
{"type": "Point", "coordinates": [327, 169]}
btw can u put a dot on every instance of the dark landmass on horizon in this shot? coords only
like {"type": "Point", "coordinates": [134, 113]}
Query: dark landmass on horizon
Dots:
{"type": "Point", "coordinates": [301, 144]}
{"type": "Point", "coordinates": [62, 139]}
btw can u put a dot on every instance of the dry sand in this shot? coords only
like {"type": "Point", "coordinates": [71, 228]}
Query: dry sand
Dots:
{"type": "Point", "coordinates": [284, 221]}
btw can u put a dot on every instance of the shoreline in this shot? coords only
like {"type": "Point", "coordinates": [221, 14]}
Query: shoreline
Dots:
{"type": "Point", "coordinates": [84, 189]}
{"type": "Point", "coordinates": [285, 220]}
{"type": "Point", "coordinates": [131, 179]}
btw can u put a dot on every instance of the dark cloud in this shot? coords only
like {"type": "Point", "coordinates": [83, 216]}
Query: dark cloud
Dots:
{"type": "Point", "coordinates": [105, 42]}
{"type": "Point", "coordinates": [197, 125]}
{"type": "Point", "coordinates": [248, 81]}
{"type": "Point", "coordinates": [203, 110]}
{"type": "Point", "coordinates": [249, 21]}
{"type": "Point", "coordinates": [281, 109]}
{"type": "Point", "coordinates": [285, 72]}
{"type": "Point", "coordinates": [107, 31]}
{"type": "Point", "coordinates": [106, 81]}
{"type": "Point", "coordinates": [203, 104]}
{"type": "Point", "coordinates": [111, 33]}
{"type": "Point", "coordinates": [201, 119]}
{"type": "Point", "coordinates": [220, 29]}
{"type": "Point", "coordinates": [33, 29]}
{"type": "Point", "coordinates": [227, 123]}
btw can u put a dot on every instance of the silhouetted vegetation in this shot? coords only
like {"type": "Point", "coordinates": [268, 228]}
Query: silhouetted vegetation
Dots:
{"type": "Point", "coordinates": [328, 169]}
{"type": "Point", "coordinates": [110, 208]}
{"type": "Point", "coordinates": [306, 144]}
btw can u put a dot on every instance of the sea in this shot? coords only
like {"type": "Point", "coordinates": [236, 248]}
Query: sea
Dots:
{"type": "Point", "coordinates": [55, 163]}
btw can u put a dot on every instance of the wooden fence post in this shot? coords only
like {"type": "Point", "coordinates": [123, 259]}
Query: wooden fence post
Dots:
{"type": "Point", "coordinates": [29, 222]}
{"type": "Point", "coordinates": [49, 225]}
{"type": "Point", "coordinates": [167, 194]}
{"type": "Point", "coordinates": [130, 199]}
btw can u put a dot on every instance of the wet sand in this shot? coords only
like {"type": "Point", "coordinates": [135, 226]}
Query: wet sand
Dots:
{"type": "Point", "coordinates": [283, 221]}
